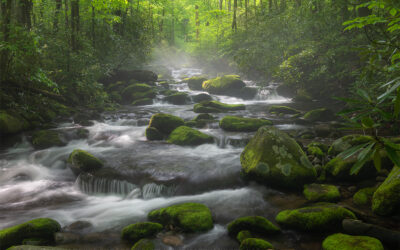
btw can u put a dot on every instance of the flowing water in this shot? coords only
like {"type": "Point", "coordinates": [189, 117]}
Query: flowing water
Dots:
{"type": "Point", "coordinates": [143, 175]}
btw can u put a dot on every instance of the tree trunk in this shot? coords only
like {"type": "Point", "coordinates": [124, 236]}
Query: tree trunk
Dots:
{"type": "Point", "coordinates": [197, 23]}
{"type": "Point", "coordinates": [74, 24]}
{"type": "Point", "coordinates": [270, 6]}
{"type": "Point", "coordinates": [93, 28]}
{"type": "Point", "coordinates": [25, 9]}
{"type": "Point", "coordinates": [234, 22]}
{"type": "Point", "coordinates": [229, 5]}
{"type": "Point", "coordinates": [56, 15]}
{"type": "Point", "coordinates": [5, 29]}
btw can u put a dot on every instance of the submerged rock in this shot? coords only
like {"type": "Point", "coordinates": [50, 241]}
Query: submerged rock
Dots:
{"type": "Point", "coordinates": [143, 244]}
{"type": "Point", "coordinates": [318, 217]}
{"type": "Point", "coordinates": [10, 124]}
{"type": "Point", "coordinates": [165, 123]}
{"type": "Point", "coordinates": [141, 230]}
{"type": "Point", "coordinates": [240, 124]}
{"type": "Point", "coordinates": [363, 196]}
{"type": "Point", "coordinates": [274, 158]}
{"type": "Point", "coordinates": [189, 217]}
{"type": "Point", "coordinates": [321, 115]}
{"type": "Point", "coordinates": [386, 199]}
{"type": "Point", "coordinates": [196, 82]}
{"type": "Point", "coordinates": [82, 161]}
{"type": "Point", "coordinates": [42, 228]}
{"type": "Point", "coordinates": [254, 224]}
{"type": "Point", "coordinates": [187, 136]}
{"type": "Point", "coordinates": [216, 107]}
{"type": "Point", "coordinates": [321, 192]}
{"type": "Point", "coordinates": [341, 241]}
{"type": "Point", "coordinates": [47, 138]}
{"type": "Point", "coordinates": [253, 243]}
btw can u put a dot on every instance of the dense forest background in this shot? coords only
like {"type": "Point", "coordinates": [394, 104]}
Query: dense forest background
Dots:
{"type": "Point", "coordinates": [56, 51]}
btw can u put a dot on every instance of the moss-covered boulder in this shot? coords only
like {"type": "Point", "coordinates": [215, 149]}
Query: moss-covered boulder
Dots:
{"type": "Point", "coordinates": [321, 115]}
{"type": "Point", "coordinates": [152, 134]}
{"type": "Point", "coordinates": [143, 244]}
{"type": "Point", "coordinates": [253, 243]}
{"type": "Point", "coordinates": [363, 196]}
{"type": "Point", "coordinates": [186, 136]}
{"type": "Point", "coordinates": [201, 98]}
{"type": "Point", "coordinates": [318, 217]}
{"type": "Point", "coordinates": [386, 199]}
{"type": "Point", "coordinates": [341, 241]}
{"type": "Point", "coordinates": [317, 149]}
{"type": "Point", "coordinates": [136, 92]}
{"type": "Point", "coordinates": [43, 228]}
{"type": "Point", "coordinates": [141, 230]}
{"type": "Point", "coordinates": [224, 85]}
{"type": "Point", "coordinates": [204, 117]}
{"type": "Point", "coordinates": [254, 224]}
{"type": "Point", "coordinates": [283, 110]}
{"type": "Point", "coordinates": [272, 157]}
{"type": "Point", "coordinates": [189, 217]}
{"type": "Point", "coordinates": [143, 101]}
{"type": "Point", "coordinates": [10, 124]}
{"type": "Point", "coordinates": [196, 82]}
{"type": "Point", "coordinates": [241, 124]}
{"type": "Point", "coordinates": [347, 142]}
{"type": "Point", "coordinates": [47, 138]}
{"type": "Point", "coordinates": [82, 161]}
{"type": "Point", "coordinates": [179, 98]}
{"type": "Point", "coordinates": [242, 235]}
{"type": "Point", "coordinates": [216, 107]}
{"type": "Point", "coordinates": [165, 123]}
{"type": "Point", "coordinates": [321, 192]}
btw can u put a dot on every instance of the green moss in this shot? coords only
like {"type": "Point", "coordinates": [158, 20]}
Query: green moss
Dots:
{"type": "Point", "coordinates": [253, 243]}
{"type": "Point", "coordinates": [165, 123]}
{"type": "Point", "coordinates": [189, 217]}
{"type": "Point", "coordinates": [141, 230]}
{"type": "Point", "coordinates": [137, 91]}
{"type": "Point", "coordinates": [348, 242]}
{"type": "Point", "coordinates": [317, 149]}
{"type": "Point", "coordinates": [46, 139]}
{"type": "Point", "coordinates": [216, 107]}
{"type": "Point", "coordinates": [234, 123]}
{"type": "Point", "coordinates": [42, 228]}
{"type": "Point", "coordinates": [143, 244]}
{"type": "Point", "coordinates": [321, 114]}
{"type": "Point", "coordinates": [272, 157]}
{"type": "Point", "coordinates": [205, 117]}
{"type": "Point", "coordinates": [36, 242]}
{"type": "Point", "coordinates": [318, 217]}
{"type": "Point", "coordinates": [11, 124]}
{"type": "Point", "coordinates": [196, 82]}
{"type": "Point", "coordinates": [82, 161]}
{"type": "Point", "coordinates": [321, 192]}
{"type": "Point", "coordinates": [347, 142]}
{"type": "Point", "coordinates": [386, 199]}
{"type": "Point", "coordinates": [188, 136]}
{"type": "Point", "coordinates": [339, 169]}
{"type": "Point", "coordinates": [283, 110]}
{"type": "Point", "coordinates": [201, 98]}
{"type": "Point", "coordinates": [242, 235]}
{"type": "Point", "coordinates": [363, 196]}
{"type": "Point", "coordinates": [179, 98]}
{"type": "Point", "coordinates": [152, 134]}
{"type": "Point", "coordinates": [254, 224]}
{"type": "Point", "coordinates": [144, 101]}
{"type": "Point", "coordinates": [228, 84]}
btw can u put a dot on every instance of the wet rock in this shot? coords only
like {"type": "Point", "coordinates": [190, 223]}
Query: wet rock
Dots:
{"type": "Point", "coordinates": [283, 110]}
{"type": "Point", "coordinates": [152, 134]}
{"type": "Point", "coordinates": [321, 192]}
{"type": "Point", "coordinates": [285, 90]}
{"type": "Point", "coordinates": [82, 161]}
{"type": "Point", "coordinates": [204, 117]}
{"type": "Point", "coordinates": [142, 102]}
{"type": "Point", "coordinates": [357, 227]}
{"type": "Point", "coordinates": [321, 115]}
{"type": "Point", "coordinates": [201, 98]}
{"type": "Point", "coordinates": [186, 136]}
{"type": "Point", "coordinates": [254, 224]}
{"type": "Point", "coordinates": [84, 117]}
{"type": "Point", "coordinates": [37, 242]}
{"type": "Point", "coordinates": [386, 199]}
{"type": "Point", "coordinates": [78, 226]}
{"type": "Point", "coordinates": [66, 238]}
{"type": "Point", "coordinates": [216, 107]}
{"type": "Point", "coordinates": [196, 82]}
{"type": "Point", "coordinates": [253, 243]}
{"type": "Point", "coordinates": [189, 217]}
{"type": "Point", "coordinates": [172, 240]}
{"type": "Point", "coordinates": [137, 91]}
{"type": "Point", "coordinates": [242, 235]}
{"type": "Point", "coordinates": [143, 244]}
{"type": "Point", "coordinates": [225, 85]}
{"type": "Point", "coordinates": [179, 98]}
{"type": "Point", "coordinates": [165, 123]}
{"type": "Point", "coordinates": [47, 138]}
{"type": "Point", "coordinates": [143, 122]}
{"type": "Point", "coordinates": [349, 242]}
{"type": "Point", "coordinates": [274, 158]}
{"type": "Point", "coordinates": [141, 230]}
{"type": "Point", "coordinates": [247, 93]}
{"type": "Point", "coordinates": [11, 124]}
{"type": "Point", "coordinates": [319, 217]}
{"type": "Point", "coordinates": [42, 228]}
{"type": "Point", "coordinates": [241, 124]}
{"type": "Point", "coordinates": [325, 130]}
{"type": "Point", "coordinates": [317, 149]}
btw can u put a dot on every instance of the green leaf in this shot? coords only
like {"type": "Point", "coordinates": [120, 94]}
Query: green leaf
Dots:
{"type": "Point", "coordinates": [351, 151]}
{"type": "Point", "coordinates": [391, 144]}
{"type": "Point", "coordinates": [364, 94]}
{"type": "Point", "coordinates": [362, 158]}
{"type": "Point", "coordinates": [376, 157]}
{"type": "Point", "coordinates": [367, 122]}
{"type": "Point", "coordinates": [393, 156]}
{"type": "Point", "coordinates": [393, 12]}
{"type": "Point", "coordinates": [396, 110]}
{"type": "Point", "coordinates": [365, 152]}
{"type": "Point", "coordinates": [385, 95]}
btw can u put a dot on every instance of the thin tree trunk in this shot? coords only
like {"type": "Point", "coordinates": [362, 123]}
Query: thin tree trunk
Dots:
{"type": "Point", "coordinates": [56, 15]}
{"type": "Point", "coordinates": [197, 23]}
{"type": "Point", "coordinates": [234, 22]}
{"type": "Point", "coordinates": [93, 28]}
{"type": "Point", "coordinates": [74, 24]}
{"type": "Point", "coordinates": [5, 29]}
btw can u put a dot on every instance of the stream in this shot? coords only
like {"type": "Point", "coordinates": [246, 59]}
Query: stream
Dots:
{"type": "Point", "coordinates": [151, 175]}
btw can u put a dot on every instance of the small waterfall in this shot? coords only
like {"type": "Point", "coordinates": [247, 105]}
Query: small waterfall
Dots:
{"type": "Point", "coordinates": [152, 190]}
{"type": "Point", "coordinates": [90, 184]}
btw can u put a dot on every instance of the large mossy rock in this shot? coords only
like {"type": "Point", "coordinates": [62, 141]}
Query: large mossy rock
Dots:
{"type": "Point", "coordinates": [152, 134]}
{"type": "Point", "coordinates": [82, 161]}
{"type": "Point", "coordinates": [201, 98]}
{"type": "Point", "coordinates": [47, 138]}
{"type": "Point", "coordinates": [347, 142]}
{"type": "Point", "coordinates": [255, 244]}
{"type": "Point", "coordinates": [42, 228]}
{"type": "Point", "coordinates": [321, 192]}
{"type": "Point", "coordinates": [319, 217]}
{"type": "Point", "coordinates": [186, 136]}
{"type": "Point", "coordinates": [143, 244]}
{"type": "Point", "coordinates": [319, 115]}
{"type": "Point", "coordinates": [317, 149]}
{"type": "Point", "coordinates": [196, 82]}
{"type": "Point", "coordinates": [216, 107]}
{"type": "Point", "coordinates": [179, 98]}
{"type": "Point", "coordinates": [341, 241]}
{"type": "Point", "coordinates": [254, 224]}
{"type": "Point", "coordinates": [10, 124]}
{"type": "Point", "coordinates": [136, 92]}
{"type": "Point", "coordinates": [363, 196]}
{"type": "Point", "coordinates": [386, 199]}
{"type": "Point", "coordinates": [283, 110]}
{"type": "Point", "coordinates": [224, 85]}
{"type": "Point", "coordinates": [165, 123]}
{"type": "Point", "coordinates": [141, 230]}
{"type": "Point", "coordinates": [189, 217]}
{"type": "Point", "coordinates": [272, 157]}
{"type": "Point", "coordinates": [240, 124]}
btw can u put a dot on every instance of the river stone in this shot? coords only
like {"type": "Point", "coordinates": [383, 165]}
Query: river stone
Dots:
{"type": "Point", "coordinates": [189, 217]}
{"type": "Point", "coordinates": [272, 157]}
{"type": "Point", "coordinates": [363, 196]}
{"type": "Point", "coordinates": [186, 136]}
{"type": "Point", "coordinates": [204, 117]}
{"type": "Point", "coordinates": [321, 192]}
{"type": "Point", "coordinates": [254, 224]}
{"type": "Point", "coordinates": [141, 230]}
{"type": "Point", "coordinates": [179, 98]}
{"type": "Point", "coordinates": [386, 199]}
{"type": "Point", "coordinates": [321, 115]}
{"type": "Point", "coordinates": [165, 123]}
{"type": "Point", "coordinates": [196, 82]}
{"type": "Point", "coordinates": [242, 235]}
{"type": "Point", "coordinates": [10, 124]}
{"type": "Point", "coordinates": [143, 244]}
{"type": "Point", "coordinates": [47, 138]}
{"type": "Point", "coordinates": [241, 124]}
{"type": "Point", "coordinates": [82, 161]}
{"type": "Point", "coordinates": [137, 91]}
{"type": "Point", "coordinates": [43, 228]}
{"type": "Point", "coordinates": [201, 98]}
{"type": "Point", "coordinates": [216, 107]}
{"type": "Point", "coordinates": [317, 149]}
{"type": "Point", "coordinates": [143, 101]}
{"type": "Point", "coordinates": [152, 134]}
{"type": "Point", "coordinates": [253, 243]}
{"type": "Point", "coordinates": [341, 241]}
{"type": "Point", "coordinates": [283, 110]}
{"type": "Point", "coordinates": [224, 85]}
{"type": "Point", "coordinates": [318, 217]}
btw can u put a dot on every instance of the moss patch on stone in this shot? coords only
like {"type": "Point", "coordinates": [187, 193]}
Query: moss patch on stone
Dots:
{"type": "Point", "coordinates": [242, 235]}
{"type": "Point", "coordinates": [47, 138]}
{"type": "Point", "coordinates": [240, 124]}
{"type": "Point", "coordinates": [386, 199]}
{"type": "Point", "coordinates": [82, 161]}
{"type": "Point", "coordinates": [143, 244]}
{"type": "Point", "coordinates": [141, 230]}
{"type": "Point", "coordinates": [186, 136]}
{"type": "Point", "coordinates": [321, 192]}
{"type": "Point", "coordinates": [228, 85]}
{"type": "Point", "coordinates": [152, 134]}
{"type": "Point", "coordinates": [165, 123]}
{"type": "Point", "coordinates": [216, 107]}
{"type": "Point", "coordinates": [341, 241]}
{"type": "Point", "coordinates": [254, 224]}
{"type": "Point", "coordinates": [179, 98]}
{"type": "Point", "coordinates": [196, 82]}
{"type": "Point", "coordinates": [363, 196]}
{"type": "Point", "coordinates": [11, 124]}
{"type": "Point", "coordinates": [189, 217]}
{"type": "Point", "coordinates": [253, 243]}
